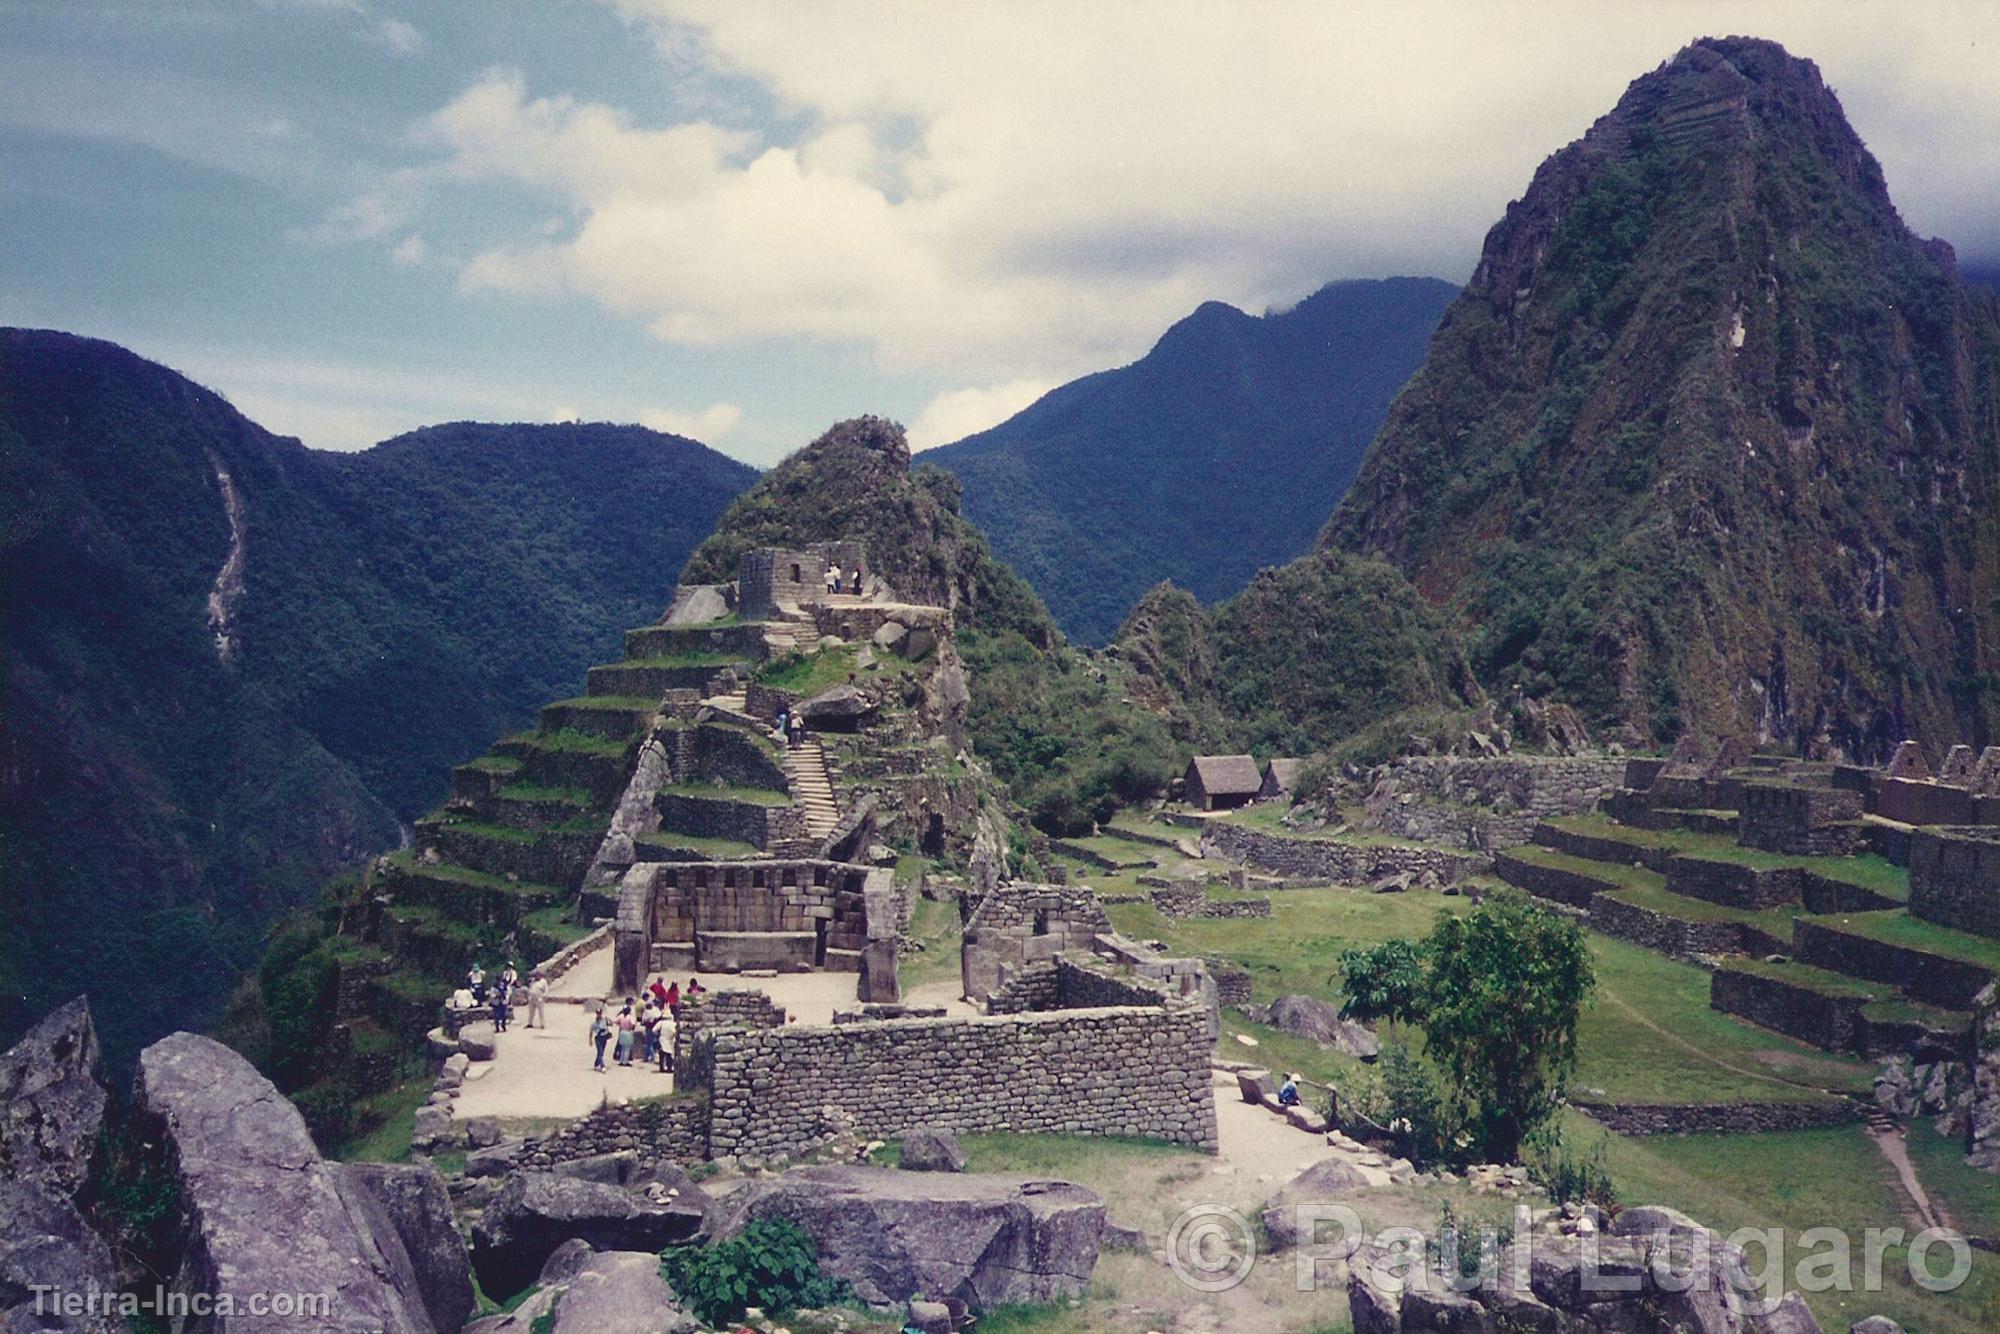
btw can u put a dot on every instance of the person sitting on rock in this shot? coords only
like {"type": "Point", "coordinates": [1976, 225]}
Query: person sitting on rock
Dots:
{"type": "Point", "coordinates": [1288, 1092]}
{"type": "Point", "coordinates": [475, 978]}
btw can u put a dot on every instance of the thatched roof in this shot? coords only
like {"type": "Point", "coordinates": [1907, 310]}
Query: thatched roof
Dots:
{"type": "Point", "coordinates": [1227, 775]}
{"type": "Point", "coordinates": [1282, 773]}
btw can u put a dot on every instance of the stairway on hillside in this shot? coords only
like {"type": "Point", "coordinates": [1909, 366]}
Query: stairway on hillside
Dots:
{"type": "Point", "coordinates": [805, 766]}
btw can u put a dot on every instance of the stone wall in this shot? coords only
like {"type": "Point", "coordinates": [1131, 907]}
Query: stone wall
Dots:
{"type": "Point", "coordinates": [1033, 988]}
{"type": "Point", "coordinates": [718, 815]}
{"type": "Point", "coordinates": [1232, 981]}
{"type": "Point", "coordinates": [1724, 1118]}
{"type": "Point", "coordinates": [1334, 861]}
{"type": "Point", "coordinates": [1188, 898]}
{"type": "Point", "coordinates": [707, 1010]}
{"type": "Point", "coordinates": [1486, 802]}
{"type": "Point", "coordinates": [1921, 801]}
{"type": "Point", "coordinates": [1116, 1071]}
{"type": "Point", "coordinates": [1933, 978]}
{"type": "Point", "coordinates": [1017, 924]}
{"type": "Point", "coordinates": [572, 954]}
{"type": "Point", "coordinates": [1750, 888]}
{"type": "Point", "coordinates": [1576, 888]}
{"type": "Point", "coordinates": [1829, 1021]}
{"type": "Point", "coordinates": [1670, 935]}
{"type": "Point", "coordinates": [1955, 878]}
{"type": "Point", "coordinates": [673, 1128]}
{"type": "Point", "coordinates": [1593, 848]}
{"type": "Point", "coordinates": [1801, 821]}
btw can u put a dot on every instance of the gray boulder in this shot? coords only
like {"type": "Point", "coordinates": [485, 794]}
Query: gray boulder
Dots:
{"type": "Point", "coordinates": [1319, 1020]}
{"type": "Point", "coordinates": [594, 1292]}
{"type": "Point", "coordinates": [477, 1040]}
{"type": "Point", "coordinates": [1875, 1324]}
{"type": "Point", "coordinates": [482, 1132]}
{"type": "Point", "coordinates": [496, 1161]}
{"type": "Point", "coordinates": [51, 1105]}
{"type": "Point", "coordinates": [841, 706]}
{"type": "Point", "coordinates": [411, 1199]}
{"type": "Point", "coordinates": [535, 1212]}
{"type": "Point", "coordinates": [44, 1240]}
{"type": "Point", "coordinates": [931, 1151]}
{"type": "Point", "coordinates": [983, 1240]}
{"type": "Point", "coordinates": [1324, 1181]}
{"type": "Point", "coordinates": [262, 1212]}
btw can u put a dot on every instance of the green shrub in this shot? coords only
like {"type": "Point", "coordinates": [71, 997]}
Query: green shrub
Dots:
{"type": "Point", "coordinates": [1565, 1174]}
{"type": "Point", "coordinates": [771, 1264]}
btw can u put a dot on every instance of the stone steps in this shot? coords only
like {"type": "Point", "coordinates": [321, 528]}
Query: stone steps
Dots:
{"type": "Point", "coordinates": [805, 766]}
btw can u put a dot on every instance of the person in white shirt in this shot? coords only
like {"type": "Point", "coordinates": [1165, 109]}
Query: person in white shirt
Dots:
{"type": "Point", "coordinates": [833, 578]}
{"type": "Point", "coordinates": [538, 990]}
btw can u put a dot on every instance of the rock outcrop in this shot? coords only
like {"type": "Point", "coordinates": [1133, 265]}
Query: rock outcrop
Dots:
{"type": "Point", "coordinates": [1319, 1020]}
{"type": "Point", "coordinates": [53, 1110]}
{"type": "Point", "coordinates": [581, 1291]}
{"type": "Point", "coordinates": [931, 1151]}
{"type": "Point", "coordinates": [536, 1212]}
{"type": "Point", "coordinates": [983, 1240]}
{"type": "Point", "coordinates": [262, 1212]}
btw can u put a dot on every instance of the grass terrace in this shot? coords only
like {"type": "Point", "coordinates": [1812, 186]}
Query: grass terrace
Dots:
{"type": "Point", "coordinates": [1899, 928]}
{"type": "Point", "coordinates": [1776, 922]}
{"type": "Point", "coordinates": [569, 739]}
{"type": "Point", "coordinates": [755, 796]}
{"type": "Point", "coordinates": [807, 674]}
{"type": "Point", "coordinates": [710, 849]}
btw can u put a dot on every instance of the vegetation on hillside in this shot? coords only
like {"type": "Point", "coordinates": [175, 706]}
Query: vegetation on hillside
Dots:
{"type": "Point", "coordinates": [400, 607]}
{"type": "Point", "coordinates": [1677, 454]}
{"type": "Point", "coordinates": [1219, 452]}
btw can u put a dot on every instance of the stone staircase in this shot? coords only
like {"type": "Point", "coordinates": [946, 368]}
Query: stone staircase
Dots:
{"type": "Point", "coordinates": [805, 765]}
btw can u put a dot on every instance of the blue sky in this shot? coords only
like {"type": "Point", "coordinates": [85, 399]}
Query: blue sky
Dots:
{"type": "Point", "coordinates": [744, 221]}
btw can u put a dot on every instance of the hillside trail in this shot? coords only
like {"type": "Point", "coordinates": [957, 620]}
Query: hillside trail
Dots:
{"type": "Point", "coordinates": [1887, 1139]}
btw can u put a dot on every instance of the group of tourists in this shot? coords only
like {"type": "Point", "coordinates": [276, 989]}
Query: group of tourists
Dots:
{"type": "Point", "coordinates": [643, 1028]}
{"type": "Point", "coordinates": [500, 995]}
{"type": "Point", "coordinates": [835, 581]}
{"type": "Point", "coordinates": [791, 727]}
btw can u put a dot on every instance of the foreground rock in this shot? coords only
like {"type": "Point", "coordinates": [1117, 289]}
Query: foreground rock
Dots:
{"type": "Point", "coordinates": [983, 1240]}
{"type": "Point", "coordinates": [410, 1199]}
{"type": "Point", "coordinates": [262, 1212]}
{"type": "Point", "coordinates": [53, 1109]}
{"type": "Point", "coordinates": [596, 1201]}
{"type": "Point", "coordinates": [931, 1151]}
{"type": "Point", "coordinates": [1320, 1021]}
{"type": "Point", "coordinates": [594, 1292]}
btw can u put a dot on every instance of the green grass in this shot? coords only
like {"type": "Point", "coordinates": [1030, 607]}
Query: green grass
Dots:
{"type": "Point", "coordinates": [558, 922]}
{"type": "Point", "coordinates": [1816, 1178]}
{"type": "Point", "coordinates": [809, 673]}
{"type": "Point", "coordinates": [690, 658]}
{"type": "Point", "coordinates": [395, 1112]}
{"type": "Point", "coordinates": [569, 739]}
{"type": "Point", "coordinates": [1869, 870]}
{"type": "Point", "coordinates": [480, 829]}
{"type": "Point", "coordinates": [1686, 908]}
{"type": "Point", "coordinates": [608, 703]}
{"type": "Point", "coordinates": [568, 796]}
{"type": "Point", "coordinates": [1899, 928]}
{"type": "Point", "coordinates": [754, 796]}
{"type": "Point", "coordinates": [936, 924]}
{"type": "Point", "coordinates": [718, 849]}
{"type": "Point", "coordinates": [1813, 979]}
{"type": "Point", "coordinates": [494, 764]}
{"type": "Point", "coordinates": [1120, 850]}
{"type": "Point", "coordinates": [1613, 873]}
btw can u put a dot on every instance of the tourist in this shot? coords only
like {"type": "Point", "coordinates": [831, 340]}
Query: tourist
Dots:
{"type": "Point", "coordinates": [833, 578]}
{"type": "Point", "coordinates": [659, 991]}
{"type": "Point", "coordinates": [695, 988]}
{"type": "Point", "coordinates": [476, 980]}
{"type": "Point", "coordinates": [784, 723]}
{"type": "Point", "coordinates": [499, 1008]}
{"type": "Point", "coordinates": [672, 1000]}
{"type": "Point", "coordinates": [663, 1041]}
{"type": "Point", "coordinates": [627, 1027]}
{"type": "Point", "coordinates": [1288, 1092]}
{"type": "Point", "coordinates": [508, 977]}
{"type": "Point", "coordinates": [798, 730]}
{"type": "Point", "coordinates": [857, 581]}
{"type": "Point", "coordinates": [600, 1034]}
{"type": "Point", "coordinates": [538, 991]}
{"type": "Point", "coordinates": [462, 999]}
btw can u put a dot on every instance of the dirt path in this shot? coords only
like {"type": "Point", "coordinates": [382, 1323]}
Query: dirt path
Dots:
{"type": "Point", "coordinates": [1897, 1151]}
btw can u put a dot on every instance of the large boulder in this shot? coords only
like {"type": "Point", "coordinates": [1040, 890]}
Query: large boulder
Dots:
{"type": "Point", "coordinates": [535, 1212]}
{"type": "Point", "coordinates": [261, 1211]}
{"type": "Point", "coordinates": [839, 708]}
{"type": "Point", "coordinates": [411, 1199]}
{"type": "Point", "coordinates": [931, 1151]}
{"type": "Point", "coordinates": [1323, 1182]}
{"type": "Point", "coordinates": [45, 1241]}
{"type": "Point", "coordinates": [983, 1240]}
{"type": "Point", "coordinates": [51, 1105]}
{"type": "Point", "coordinates": [582, 1291]}
{"type": "Point", "coordinates": [1320, 1021]}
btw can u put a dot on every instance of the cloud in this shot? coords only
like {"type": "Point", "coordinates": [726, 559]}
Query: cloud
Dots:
{"type": "Point", "coordinates": [961, 412]}
{"type": "Point", "coordinates": [709, 425]}
{"type": "Point", "coordinates": [1035, 189]}
{"type": "Point", "coordinates": [410, 251]}
{"type": "Point", "coordinates": [400, 37]}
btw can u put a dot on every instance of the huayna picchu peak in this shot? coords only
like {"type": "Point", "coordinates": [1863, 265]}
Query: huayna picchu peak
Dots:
{"type": "Point", "coordinates": [1709, 441]}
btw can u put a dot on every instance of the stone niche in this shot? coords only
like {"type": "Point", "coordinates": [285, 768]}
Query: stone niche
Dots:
{"type": "Point", "coordinates": [1955, 878]}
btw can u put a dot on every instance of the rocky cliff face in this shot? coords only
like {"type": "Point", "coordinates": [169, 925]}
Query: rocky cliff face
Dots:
{"type": "Point", "coordinates": [1710, 441]}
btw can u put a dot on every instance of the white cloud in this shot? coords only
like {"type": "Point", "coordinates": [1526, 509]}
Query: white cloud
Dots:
{"type": "Point", "coordinates": [1035, 189]}
{"type": "Point", "coordinates": [961, 412]}
{"type": "Point", "coordinates": [709, 425]}
{"type": "Point", "coordinates": [400, 37]}
{"type": "Point", "coordinates": [410, 251]}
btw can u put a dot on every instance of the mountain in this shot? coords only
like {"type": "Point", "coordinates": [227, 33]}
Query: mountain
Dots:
{"type": "Point", "coordinates": [1219, 452]}
{"type": "Point", "coordinates": [234, 666]}
{"type": "Point", "coordinates": [1056, 724]}
{"type": "Point", "coordinates": [1711, 441]}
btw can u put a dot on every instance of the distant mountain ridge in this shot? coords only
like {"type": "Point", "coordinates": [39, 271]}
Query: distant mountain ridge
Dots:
{"type": "Point", "coordinates": [1219, 452]}
{"type": "Point", "coordinates": [396, 609]}
{"type": "Point", "coordinates": [1711, 441]}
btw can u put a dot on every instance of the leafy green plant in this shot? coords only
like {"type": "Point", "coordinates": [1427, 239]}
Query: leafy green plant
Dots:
{"type": "Point", "coordinates": [771, 1264]}
{"type": "Point", "coordinates": [1566, 1174]}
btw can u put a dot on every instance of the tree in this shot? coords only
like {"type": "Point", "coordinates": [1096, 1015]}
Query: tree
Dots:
{"type": "Point", "coordinates": [1497, 994]}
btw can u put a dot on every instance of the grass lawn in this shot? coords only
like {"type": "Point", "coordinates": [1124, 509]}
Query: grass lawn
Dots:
{"type": "Point", "coordinates": [1804, 1179]}
{"type": "Point", "coordinates": [1868, 870]}
{"type": "Point", "coordinates": [936, 924]}
{"type": "Point", "coordinates": [396, 1110]}
{"type": "Point", "coordinates": [807, 674]}
{"type": "Point", "coordinates": [755, 796]}
{"type": "Point", "coordinates": [1899, 928]}
{"type": "Point", "coordinates": [1613, 873]}
{"type": "Point", "coordinates": [1687, 908]}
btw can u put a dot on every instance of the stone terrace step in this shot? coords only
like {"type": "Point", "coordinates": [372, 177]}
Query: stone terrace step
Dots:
{"type": "Point", "coordinates": [615, 717]}
{"type": "Point", "coordinates": [465, 895]}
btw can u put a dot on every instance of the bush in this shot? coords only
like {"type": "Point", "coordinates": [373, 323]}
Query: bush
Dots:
{"type": "Point", "coordinates": [1565, 1174]}
{"type": "Point", "coordinates": [1416, 1104]}
{"type": "Point", "coordinates": [771, 1264]}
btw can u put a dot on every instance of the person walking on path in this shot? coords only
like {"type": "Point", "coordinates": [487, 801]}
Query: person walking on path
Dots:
{"type": "Point", "coordinates": [538, 993]}
{"type": "Point", "coordinates": [600, 1034]}
{"type": "Point", "coordinates": [627, 1026]}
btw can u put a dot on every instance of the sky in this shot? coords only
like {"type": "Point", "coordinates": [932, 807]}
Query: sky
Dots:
{"type": "Point", "coordinates": [743, 221]}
